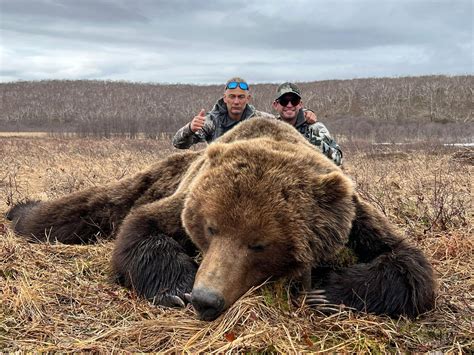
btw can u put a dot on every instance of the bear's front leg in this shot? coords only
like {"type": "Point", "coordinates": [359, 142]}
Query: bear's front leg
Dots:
{"type": "Point", "coordinates": [391, 276]}
{"type": "Point", "coordinates": [153, 255]}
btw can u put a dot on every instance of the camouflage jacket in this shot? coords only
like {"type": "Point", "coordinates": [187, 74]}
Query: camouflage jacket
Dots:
{"type": "Point", "coordinates": [217, 123]}
{"type": "Point", "coordinates": [318, 135]}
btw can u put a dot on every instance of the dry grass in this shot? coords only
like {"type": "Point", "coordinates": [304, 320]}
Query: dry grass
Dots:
{"type": "Point", "coordinates": [23, 134]}
{"type": "Point", "coordinates": [60, 298]}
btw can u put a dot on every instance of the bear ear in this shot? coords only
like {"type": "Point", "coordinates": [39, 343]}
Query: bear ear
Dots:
{"type": "Point", "coordinates": [215, 153]}
{"type": "Point", "coordinates": [332, 187]}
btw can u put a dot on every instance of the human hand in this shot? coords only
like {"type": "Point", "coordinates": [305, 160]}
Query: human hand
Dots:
{"type": "Point", "coordinates": [310, 117]}
{"type": "Point", "coordinates": [198, 121]}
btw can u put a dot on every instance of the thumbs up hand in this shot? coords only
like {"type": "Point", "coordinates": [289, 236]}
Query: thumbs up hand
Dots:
{"type": "Point", "coordinates": [198, 121]}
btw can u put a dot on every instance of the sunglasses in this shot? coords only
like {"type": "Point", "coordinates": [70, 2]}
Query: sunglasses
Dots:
{"type": "Point", "coordinates": [295, 100]}
{"type": "Point", "coordinates": [234, 84]}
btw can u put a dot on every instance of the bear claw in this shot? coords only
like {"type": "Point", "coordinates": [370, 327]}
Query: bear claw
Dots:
{"type": "Point", "coordinates": [188, 297]}
{"type": "Point", "coordinates": [177, 301]}
{"type": "Point", "coordinates": [317, 300]}
{"type": "Point", "coordinates": [316, 297]}
{"type": "Point", "coordinates": [169, 301]}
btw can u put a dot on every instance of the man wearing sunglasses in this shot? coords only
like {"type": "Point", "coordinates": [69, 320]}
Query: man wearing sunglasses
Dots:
{"type": "Point", "coordinates": [228, 111]}
{"type": "Point", "coordinates": [289, 106]}
{"type": "Point", "coordinates": [231, 109]}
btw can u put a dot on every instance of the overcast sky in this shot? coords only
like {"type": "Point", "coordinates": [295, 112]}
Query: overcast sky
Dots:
{"type": "Point", "coordinates": [203, 42]}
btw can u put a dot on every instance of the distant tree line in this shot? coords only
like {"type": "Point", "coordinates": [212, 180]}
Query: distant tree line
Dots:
{"type": "Point", "coordinates": [380, 109]}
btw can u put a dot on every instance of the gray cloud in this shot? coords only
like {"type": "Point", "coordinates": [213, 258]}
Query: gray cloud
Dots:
{"type": "Point", "coordinates": [80, 12]}
{"type": "Point", "coordinates": [208, 41]}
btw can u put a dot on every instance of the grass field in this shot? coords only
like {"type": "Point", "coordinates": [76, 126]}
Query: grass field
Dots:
{"type": "Point", "coordinates": [23, 134]}
{"type": "Point", "coordinates": [60, 298]}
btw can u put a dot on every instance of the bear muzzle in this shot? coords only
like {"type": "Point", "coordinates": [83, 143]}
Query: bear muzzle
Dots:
{"type": "Point", "coordinates": [208, 304]}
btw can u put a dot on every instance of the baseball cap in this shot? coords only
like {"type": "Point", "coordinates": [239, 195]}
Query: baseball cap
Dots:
{"type": "Point", "coordinates": [286, 88]}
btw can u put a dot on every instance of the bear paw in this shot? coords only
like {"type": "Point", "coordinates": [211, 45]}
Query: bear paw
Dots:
{"type": "Point", "coordinates": [317, 299]}
{"type": "Point", "coordinates": [176, 299]}
{"type": "Point", "coordinates": [169, 300]}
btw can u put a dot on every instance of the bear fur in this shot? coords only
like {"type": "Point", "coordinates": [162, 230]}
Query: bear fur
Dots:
{"type": "Point", "coordinates": [259, 203]}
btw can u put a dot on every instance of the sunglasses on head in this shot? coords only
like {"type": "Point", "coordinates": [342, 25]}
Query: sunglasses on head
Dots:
{"type": "Point", "coordinates": [295, 100]}
{"type": "Point", "coordinates": [234, 84]}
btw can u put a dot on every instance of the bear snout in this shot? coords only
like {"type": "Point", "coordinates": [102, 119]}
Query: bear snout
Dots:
{"type": "Point", "coordinates": [207, 303]}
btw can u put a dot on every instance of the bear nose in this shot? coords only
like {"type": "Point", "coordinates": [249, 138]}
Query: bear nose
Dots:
{"type": "Point", "coordinates": [209, 304]}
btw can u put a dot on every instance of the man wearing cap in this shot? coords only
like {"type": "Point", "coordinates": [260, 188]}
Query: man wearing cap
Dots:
{"type": "Point", "coordinates": [289, 106]}
{"type": "Point", "coordinates": [228, 111]}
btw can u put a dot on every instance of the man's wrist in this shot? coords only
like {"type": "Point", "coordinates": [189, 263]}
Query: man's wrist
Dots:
{"type": "Point", "coordinates": [190, 129]}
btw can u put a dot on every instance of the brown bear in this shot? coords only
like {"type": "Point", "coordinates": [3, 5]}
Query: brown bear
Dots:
{"type": "Point", "coordinates": [259, 203]}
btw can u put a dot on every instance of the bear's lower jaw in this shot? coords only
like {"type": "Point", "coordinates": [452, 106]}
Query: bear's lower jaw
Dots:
{"type": "Point", "coordinates": [208, 304]}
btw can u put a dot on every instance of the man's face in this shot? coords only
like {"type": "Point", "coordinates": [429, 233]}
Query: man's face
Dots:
{"type": "Point", "coordinates": [236, 100]}
{"type": "Point", "coordinates": [288, 106]}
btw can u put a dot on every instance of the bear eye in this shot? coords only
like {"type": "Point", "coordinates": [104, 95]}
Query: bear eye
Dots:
{"type": "Point", "coordinates": [211, 231]}
{"type": "Point", "coordinates": [256, 247]}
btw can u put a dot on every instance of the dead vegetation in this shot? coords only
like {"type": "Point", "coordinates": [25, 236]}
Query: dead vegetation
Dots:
{"type": "Point", "coordinates": [379, 109]}
{"type": "Point", "coordinates": [59, 298]}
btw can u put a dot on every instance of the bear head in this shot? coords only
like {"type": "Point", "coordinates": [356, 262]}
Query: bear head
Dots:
{"type": "Point", "coordinates": [261, 209]}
